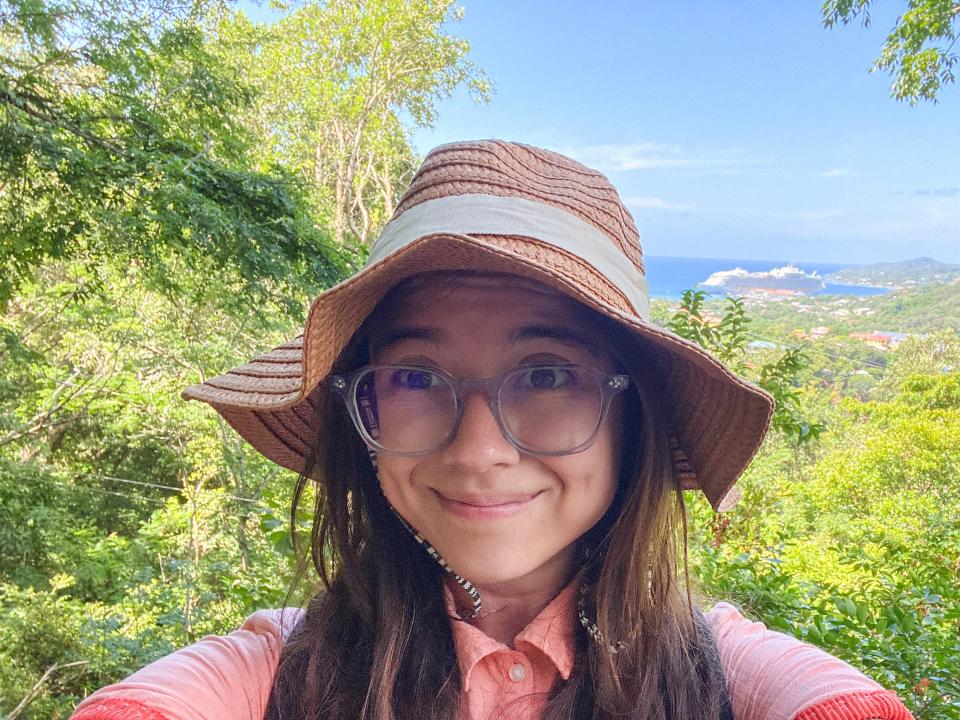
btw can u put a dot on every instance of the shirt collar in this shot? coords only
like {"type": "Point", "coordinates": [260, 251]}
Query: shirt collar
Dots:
{"type": "Point", "coordinates": [552, 632]}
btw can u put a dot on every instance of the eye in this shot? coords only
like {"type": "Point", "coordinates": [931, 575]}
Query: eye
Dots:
{"type": "Point", "coordinates": [414, 379]}
{"type": "Point", "coordinates": [548, 378]}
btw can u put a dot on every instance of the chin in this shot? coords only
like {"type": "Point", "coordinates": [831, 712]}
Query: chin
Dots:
{"type": "Point", "coordinates": [487, 566]}
{"type": "Point", "coordinates": [492, 576]}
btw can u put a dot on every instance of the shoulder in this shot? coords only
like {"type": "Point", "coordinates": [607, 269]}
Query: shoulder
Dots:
{"type": "Point", "coordinates": [226, 677]}
{"type": "Point", "coordinates": [773, 676]}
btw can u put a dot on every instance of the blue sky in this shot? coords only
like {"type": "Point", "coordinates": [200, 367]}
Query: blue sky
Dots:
{"type": "Point", "coordinates": [732, 129]}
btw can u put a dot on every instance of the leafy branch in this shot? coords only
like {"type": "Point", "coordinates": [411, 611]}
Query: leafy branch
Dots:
{"type": "Point", "coordinates": [726, 337]}
{"type": "Point", "coordinates": [918, 51]}
{"type": "Point", "coordinates": [38, 687]}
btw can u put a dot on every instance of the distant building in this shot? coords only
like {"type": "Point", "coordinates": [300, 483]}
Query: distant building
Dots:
{"type": "Point", "coordinates": [819, 332]}
{"type": "Point", "coordinates": [881, 340]}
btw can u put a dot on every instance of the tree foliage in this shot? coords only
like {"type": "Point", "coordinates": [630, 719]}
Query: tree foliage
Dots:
{"type": "Point", "coordinates": [137, 521]}
{"type": "Point", "coordinates": [851, 542]}
{"type": "Point", "coordinates": [855, 548]}
{"type": "Point", "coordinates": [339, 82]}
{"type": "Point", "coordinates": [121, 143]}
{"type": "Point", "coordinates": [919, 51]}
{"type": "Point", "coordinates": [726, 337]}
{"type": "Point", "coordinates": [930, 360]}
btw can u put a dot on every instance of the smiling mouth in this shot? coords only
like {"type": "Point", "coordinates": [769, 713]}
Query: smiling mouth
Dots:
{"type": "Point", "coordinates": [487, 508]}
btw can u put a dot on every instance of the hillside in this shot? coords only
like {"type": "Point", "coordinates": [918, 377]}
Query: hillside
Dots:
{"type": "Point", "coordinates": [922, 309]}
{"type": "Point", "coordinates": [917, 311]}
{"type": "Point", "coordinates": [908, 273]}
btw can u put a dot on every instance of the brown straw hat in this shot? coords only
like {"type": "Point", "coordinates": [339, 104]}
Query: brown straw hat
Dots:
{"type": "Point", "coordinates": [505, 207]}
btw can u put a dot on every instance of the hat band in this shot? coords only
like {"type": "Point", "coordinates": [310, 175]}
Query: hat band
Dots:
{"type": "Point", "coordinates": [477, 214]}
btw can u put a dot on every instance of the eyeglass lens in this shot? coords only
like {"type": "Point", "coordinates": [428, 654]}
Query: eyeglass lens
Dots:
{"type": "Point", "coordinates": [543, 409]}
{"type": "Point", "coordinates": [404, 409]}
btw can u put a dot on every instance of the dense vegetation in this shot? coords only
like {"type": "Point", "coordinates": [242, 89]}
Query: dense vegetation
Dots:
{"type": "Point", "coordinates": [162, 219]}
{"type": "Point", "coordinates": [851, 539]}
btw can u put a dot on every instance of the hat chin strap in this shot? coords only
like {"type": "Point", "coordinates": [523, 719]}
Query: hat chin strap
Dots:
{"type": "Point", "coordinates": [468, 586]}
{"type": "Point", "coordinates": [589, 625]}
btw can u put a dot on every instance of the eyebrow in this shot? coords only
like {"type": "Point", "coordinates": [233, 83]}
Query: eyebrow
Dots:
{"type": "Point", "coordinates": [399, 334]}
{"type": "Point", "coordinates": [559, 334]}
{"type": "Point", "coordinates": [435, 336]}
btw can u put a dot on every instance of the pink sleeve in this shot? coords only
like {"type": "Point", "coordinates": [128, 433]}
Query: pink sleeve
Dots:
{"type": "Point", "coordinates": [772, 676]}
{"type": "Point", "coordinates": [218, 678]}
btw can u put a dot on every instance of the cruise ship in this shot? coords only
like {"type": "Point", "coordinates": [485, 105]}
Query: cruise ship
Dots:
{"type": "Point", "coordinates": [788, 277]}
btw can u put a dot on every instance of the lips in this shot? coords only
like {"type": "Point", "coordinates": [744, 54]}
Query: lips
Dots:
{"type": "Point", "coordinates": [490, 500]}
{"type": "Point", "coordinates": [487, 507]}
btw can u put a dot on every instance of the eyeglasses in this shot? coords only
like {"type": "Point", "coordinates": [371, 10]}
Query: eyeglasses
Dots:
{"type": "Point", "coordinates": [541, 409]}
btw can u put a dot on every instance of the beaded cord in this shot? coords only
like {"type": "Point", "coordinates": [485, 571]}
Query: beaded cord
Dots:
{"type": "Point", "coordinates": [588, 555]}
{"type": "Point", "coordinates": [591, 627]}
{"type": "Point", "coordinates": [468, 587]}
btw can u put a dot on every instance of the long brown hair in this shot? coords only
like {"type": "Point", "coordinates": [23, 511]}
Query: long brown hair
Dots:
{"type": "Point", "coordinates": [376, 644]}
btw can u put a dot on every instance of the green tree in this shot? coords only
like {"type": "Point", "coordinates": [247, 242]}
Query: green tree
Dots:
{"type": "Point", "coordinates": [918, 53]}
{"type": "Point", "coordinates": [339, 82]}
{"type": "Point", "coordinates": [855, 547]}
{"type": "Point", "coordinates": [120, 143]}
{"type": "Point", "coordinates": [935, 393]}
{"type": "Point", "coordinates": [933, 355]}
{"type": "Point", "coordinates": [726, 337]}
{"type": "Point", "coordinates": [134, 521]}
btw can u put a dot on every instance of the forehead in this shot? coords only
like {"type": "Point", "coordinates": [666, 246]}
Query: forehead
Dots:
{"type": "Point", "coordinates": [487, 313]}
{"type": "Point", "coordinates": [487, 298]}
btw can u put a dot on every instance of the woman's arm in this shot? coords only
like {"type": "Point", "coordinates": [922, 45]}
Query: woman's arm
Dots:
{"type": "Point", "coordinates": [772, 676]}
{"type": "Point", "coordinates": [218, 678]}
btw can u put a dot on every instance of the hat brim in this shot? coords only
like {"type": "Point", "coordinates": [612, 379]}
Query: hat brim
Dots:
{"type": "Point", "coordinates": [718, 419]}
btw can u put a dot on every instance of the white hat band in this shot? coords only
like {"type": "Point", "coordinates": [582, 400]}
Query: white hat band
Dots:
{"type": "Point", "coordinates": [495, 215]}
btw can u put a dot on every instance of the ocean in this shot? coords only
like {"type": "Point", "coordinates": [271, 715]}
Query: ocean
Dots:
{"type": "Point", "coordinates": [670, 276]}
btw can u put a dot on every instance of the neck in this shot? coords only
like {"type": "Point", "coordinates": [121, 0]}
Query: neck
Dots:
{"type": "Point", "coordinates": [510, 605]}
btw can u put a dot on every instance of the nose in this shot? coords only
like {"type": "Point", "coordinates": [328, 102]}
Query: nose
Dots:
{"type": "Point", "coordinates": [479, 444]}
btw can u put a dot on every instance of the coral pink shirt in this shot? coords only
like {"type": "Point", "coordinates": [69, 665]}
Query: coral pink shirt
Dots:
{"type": "Point", "coordinates": [494, 677]}
{"type": "Point", "coordinates": [771, 676]}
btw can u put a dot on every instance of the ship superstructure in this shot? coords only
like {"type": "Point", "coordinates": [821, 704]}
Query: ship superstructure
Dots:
{"type": "Point", "coordinates": [789, 277]}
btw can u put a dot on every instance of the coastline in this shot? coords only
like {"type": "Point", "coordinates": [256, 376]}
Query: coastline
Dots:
{"type": "Point", "coordinates": [671, 276]}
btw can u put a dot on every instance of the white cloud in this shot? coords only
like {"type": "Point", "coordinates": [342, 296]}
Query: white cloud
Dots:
{"type": "Point", "coordinates": [815, 215]}
{"type": "Point", "coordinates": [656, 156]}
{"type": "Point", "coordinates": [947, 192]}
{"type": "Point", "coordinates": [942, 208]}
{"type": "Point", "coordinates": [655, 203]}
{"type": "Point", "coordinates": [836, 172]}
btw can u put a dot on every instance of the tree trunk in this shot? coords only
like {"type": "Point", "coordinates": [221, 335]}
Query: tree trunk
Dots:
{"type": "Point", "coordinates": [339, 207]}
{"type": "Point", "coordinates": [193, 568]}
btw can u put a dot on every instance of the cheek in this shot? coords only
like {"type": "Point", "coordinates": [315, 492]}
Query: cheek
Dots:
{"type": "Point", "coordinates": [579, 490]}
{"type": "Point", "coordinates": [590, 481]}
{"type": "Point", "coordinates": [608, 451]}
{"type": "Point", "coordinates": [395, 474]}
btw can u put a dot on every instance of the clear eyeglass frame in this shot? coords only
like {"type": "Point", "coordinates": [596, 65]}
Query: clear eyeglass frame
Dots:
{"type": "Point", "coordinates": [611, 384]}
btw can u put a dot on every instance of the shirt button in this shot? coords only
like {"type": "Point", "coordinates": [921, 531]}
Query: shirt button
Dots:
{"type": "Point", "coordinates": [517, 673]}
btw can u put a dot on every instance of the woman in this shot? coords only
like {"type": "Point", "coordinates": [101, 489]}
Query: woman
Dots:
{"type": "Point", "coordinates": [499, 439]}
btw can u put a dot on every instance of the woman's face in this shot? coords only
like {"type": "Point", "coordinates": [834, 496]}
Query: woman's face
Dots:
{"type": "Point", "coordinates": [494, 513]}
